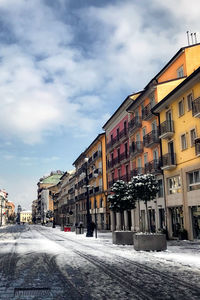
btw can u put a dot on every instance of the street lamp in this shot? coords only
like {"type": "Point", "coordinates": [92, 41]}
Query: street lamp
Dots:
{"type": "Point", "coordinates": [89, 227]}
{"type": "Point", "coordinates": [95, 213]}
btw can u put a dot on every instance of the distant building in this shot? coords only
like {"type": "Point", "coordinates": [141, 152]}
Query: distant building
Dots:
{"type": "Point", "coordinates": [25, 217]}
{"type": "Point", "coordinates": [10, 211]}
{"type": "Point", "coordinates": [45, 200]}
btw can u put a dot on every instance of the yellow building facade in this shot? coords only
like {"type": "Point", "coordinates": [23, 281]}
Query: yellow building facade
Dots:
{"type": "Point", "coordinates": [25, 217]}
{"type": "Point", "coordinates": [180, 132]}
{"type": "Point", "coordinates": [95, 154]}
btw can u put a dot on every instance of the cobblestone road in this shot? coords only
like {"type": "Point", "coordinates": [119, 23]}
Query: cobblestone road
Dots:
{"type": "Point", "coordinates": [39, 263]}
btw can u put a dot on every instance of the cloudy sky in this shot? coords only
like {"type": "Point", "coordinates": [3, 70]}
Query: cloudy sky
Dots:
{"type": "Point", "coordinates": [65, 67]}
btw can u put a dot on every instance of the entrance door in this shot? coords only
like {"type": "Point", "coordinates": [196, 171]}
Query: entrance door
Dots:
{"type": "Point", "coordinates": [177, 220]}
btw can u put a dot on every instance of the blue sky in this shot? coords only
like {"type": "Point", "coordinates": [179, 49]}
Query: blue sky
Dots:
{"type": "Point", "coordinates": [65, 66]}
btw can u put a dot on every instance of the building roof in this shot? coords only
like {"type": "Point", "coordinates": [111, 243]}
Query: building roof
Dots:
{"type": "Point", "coordinates": [121, 105]}
{"type": "Point", "coordinates": [170, 62]}
{"type": "Point", "coordinates": [52, 179]}
{"type": "Point", "coordinates": [154, 79]}
{"type": "Point", "coordinates": [182, 84]}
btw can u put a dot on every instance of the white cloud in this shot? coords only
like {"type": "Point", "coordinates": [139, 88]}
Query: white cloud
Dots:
{"type": "Point", "coordinates": [48, 83]}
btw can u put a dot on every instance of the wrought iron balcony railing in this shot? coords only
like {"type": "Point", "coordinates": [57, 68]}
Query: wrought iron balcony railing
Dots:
{"type": "Point", "coordinates": [153, 166]}
{"type": "Point", "coordinates": [122, 134]}
{"type": "Point", "coordinates": [137, 171]}
{"type": "Point", "coordinates": [146, 112]}
{"type": "Point", "coordinates": [166, 129]}
{"type": "Point", "coordinates": [168, 161]}
{"type": "Point", "coordinates": [134, 124]}
{"type": "Point", "coordinates": [151, 138]}
{"type": "Point", "coordinates": [136, 148]}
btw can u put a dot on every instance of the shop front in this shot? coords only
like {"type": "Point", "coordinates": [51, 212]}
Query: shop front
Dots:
{"type": "Point", "coordinates": [176, 220]}
{"type": "Point", "coordinates": [195, 210]}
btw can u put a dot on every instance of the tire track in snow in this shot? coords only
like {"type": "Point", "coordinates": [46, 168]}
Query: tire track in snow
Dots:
{"type": "Point", "coordinates": [171, 282]}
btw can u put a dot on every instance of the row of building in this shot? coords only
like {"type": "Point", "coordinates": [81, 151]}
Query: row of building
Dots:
{"type": "Point", "coordinates": [7, 209]}
{"type": "Point", "coordinates": [156, 130]}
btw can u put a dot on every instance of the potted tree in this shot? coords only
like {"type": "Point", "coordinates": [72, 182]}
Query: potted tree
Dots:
{"type": "Point", "coordinates": [120, 200]}
{"type": "Point", "coordinates": [145, 188]}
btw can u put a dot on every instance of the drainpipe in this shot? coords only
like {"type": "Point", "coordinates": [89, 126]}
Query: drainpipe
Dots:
{"type": "Point", "coordinates": [161, 154]}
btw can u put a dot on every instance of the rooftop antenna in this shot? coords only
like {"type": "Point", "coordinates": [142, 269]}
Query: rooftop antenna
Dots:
{"type": "Point", "coordinates": [195, 37]}
{"type": "Point", "coordinates": [188, 38]}
{"type": "Point", "coordinates": [192, 38]}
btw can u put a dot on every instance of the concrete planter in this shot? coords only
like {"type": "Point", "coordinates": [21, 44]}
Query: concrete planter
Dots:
{"type": "Point", "coordinates": [150, 242]}
{"type": "Point", "coordinates": [123, 237]}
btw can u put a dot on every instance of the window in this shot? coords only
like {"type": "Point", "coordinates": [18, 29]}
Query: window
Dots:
{"type": "Point", "coordinates": [189, 101]}
{"type": "Point", "coordinates": [100, 182]}
{"type": "Point", "coordinates": [126, 150]}
{"type": "Point", "coordinates": [112, 157]}
{"type": "Point", "coordinates": [155, 155]}
{"type": "Point", "coordinates": [192, 137]}
{"type": "Point", "coordinates": [137, 137]}
{"type": "Point", "coordinates": [139, 165]}
{"type": "Point", "coordinates": [181, 107]}
{"type": "Point", "coordinates": [125, 127]}
{"type": "Point", "coordinates": [183, 142]}
{"type": "Point", "coordinates": [160, 187]}
{"type": "Point", "coordinates": [127, 173]}
{"type": "Point", "coordinates": [194, 180]}
{"type": "Point", "coordinates": [174, 184]}
{"type": "Point", "coordinates": [119, 173]}
{"type": "Point", "coordinates": [145, 158]}
{"type": "Point", "coordinates": [154, 126]}
{"type": "Point", "coordinates": [112, 177]}
{"type": "Point", "coordinates": [118, 134]}
{"type": "Point", "coordinates": [180, 72]}
{"type": "Point", "coordinates": [118, 155]}
{"type": "Point", "coordinates": [111, 137]}
{"type": "Point", "coordinates": [144, 131]}
{"type": "Point", "coordinates": [152, 100]}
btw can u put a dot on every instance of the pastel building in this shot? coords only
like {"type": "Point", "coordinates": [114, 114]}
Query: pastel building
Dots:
{"type": "Point", "coordinates": [133, 139]}
{"type": "Point", "coordinates": [25, 216]}
{"type": "Point", "coordinates": [179, 115]}
{"type": "Point", "coordinates": [92, 163]}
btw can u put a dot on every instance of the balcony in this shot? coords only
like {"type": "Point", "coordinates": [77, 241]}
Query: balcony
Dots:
{"type": "Point", "coordinates": [70, 191]}
{"type": "Point", "coordinates": [136, 148]}
{"type": "Point", "coordinates": [81, 183]}
{"type": "Point", "coordinates": [196, 108]}
{"type": "Point", "coordinates": [82, 196]}
{"type": "Point", "coordinates": [168, 161]}
{"type": "Point", "coordinates": [134, 124]}
{"type": "Point", "coordinates": [124, 156]}
{"type": "Point", "coordinates": [146, 112]}
{"type": "Point", "coordinates": [151, 139]}
{"type": "Point", "coordinates": [197, 146]}
{"type": "Point", "coordinates": [118, 139]}
{"type": "Point", "coordinates": [166, 129]}
{"type": "Point", "coordinates": [137, 171]}
{"type": "Point", "coordinates": [117, 160]}
{"type": "Point", "coordinates": [153, 167]}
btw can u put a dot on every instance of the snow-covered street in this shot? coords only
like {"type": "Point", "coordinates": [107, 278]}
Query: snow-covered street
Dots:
{"type": "Point", "coordinates": [44, 263]}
